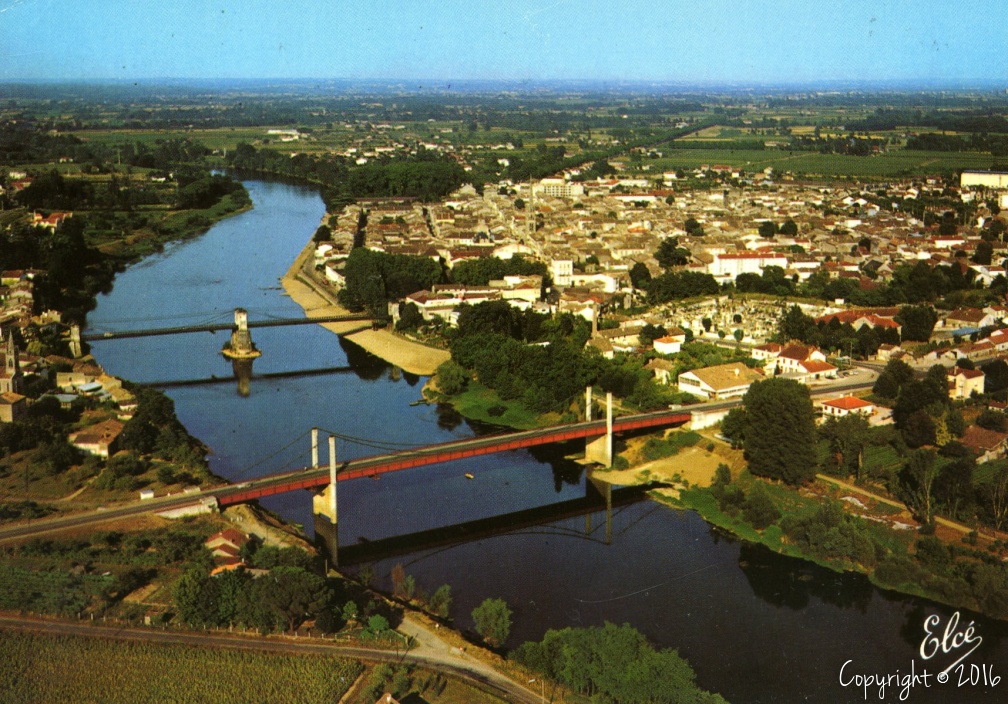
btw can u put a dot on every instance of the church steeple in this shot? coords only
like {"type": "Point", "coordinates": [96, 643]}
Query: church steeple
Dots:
{"type": "Point", "coordinates": [12, 376]}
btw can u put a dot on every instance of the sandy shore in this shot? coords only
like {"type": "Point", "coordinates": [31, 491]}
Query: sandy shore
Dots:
{"type": "Point", "coordinates": [317, 301]}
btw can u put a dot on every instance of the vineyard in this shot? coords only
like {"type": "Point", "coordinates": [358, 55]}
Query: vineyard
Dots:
{"type": "Point", "coordinates": [41, 668]}
{"type": "Point", "coordinates": [55, 592]}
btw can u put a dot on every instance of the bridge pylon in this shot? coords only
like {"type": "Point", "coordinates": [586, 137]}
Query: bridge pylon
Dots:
{"type": "Point", "coordinates": [324, 504]}
{"type": "Point", "coordinates": [76, 348]}
{"type": "Point", "coordinates": [240, 346]}
{"type": "Point", "coordinates": [600, 449]}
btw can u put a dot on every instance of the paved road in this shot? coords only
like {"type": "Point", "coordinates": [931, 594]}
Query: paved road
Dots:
{"type": "Point", "coordinates": [430, 658]}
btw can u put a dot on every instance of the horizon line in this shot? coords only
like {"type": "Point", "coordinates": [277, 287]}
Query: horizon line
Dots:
{"type": "Point", "coordinates": [455, 84]}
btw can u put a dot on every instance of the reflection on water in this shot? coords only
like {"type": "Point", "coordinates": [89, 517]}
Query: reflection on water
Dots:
{"type": "Point", "coordinates": [786, 581]}
{"type": "Point", "coordinates": [242, 369]}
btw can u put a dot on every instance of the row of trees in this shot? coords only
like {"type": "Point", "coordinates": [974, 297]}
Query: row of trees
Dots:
{"type": "Point", "coordinates": [426, 175]}
{"type": "Point", "coordinates": [373, 278]}
{"type": "Point", "coordinates": [283, 601]}
{"type": "Point", "coordinates": [916, 323]}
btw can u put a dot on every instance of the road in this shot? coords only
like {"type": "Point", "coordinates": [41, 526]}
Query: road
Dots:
{"type": "Point", "coordinates": [429, 655]}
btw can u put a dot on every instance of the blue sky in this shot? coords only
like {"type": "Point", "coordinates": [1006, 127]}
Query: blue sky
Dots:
{"type": "Point", "coordinates": [698, 42]}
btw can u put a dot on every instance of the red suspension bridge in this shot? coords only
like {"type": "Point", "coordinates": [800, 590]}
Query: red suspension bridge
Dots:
{"type": "Point", "coordinates": [318, 477]}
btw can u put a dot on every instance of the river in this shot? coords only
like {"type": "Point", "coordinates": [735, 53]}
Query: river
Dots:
{"type": "Point", "coordinates": [757, 627]}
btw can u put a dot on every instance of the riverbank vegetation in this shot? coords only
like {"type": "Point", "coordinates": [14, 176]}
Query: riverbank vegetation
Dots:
{"type": "Point", "coordinates": [112, 203]}
{"type": "Point", "coordinates": [613, 663]}
{"type": "Point", "coordinates": [889, 525]}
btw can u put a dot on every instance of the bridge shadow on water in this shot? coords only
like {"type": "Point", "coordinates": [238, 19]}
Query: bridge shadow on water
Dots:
{"type": "Point", "coordinates": [367, 551]}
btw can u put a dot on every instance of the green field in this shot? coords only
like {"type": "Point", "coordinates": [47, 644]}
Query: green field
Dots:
{"type": "Point", "coordinates": [45, 668]}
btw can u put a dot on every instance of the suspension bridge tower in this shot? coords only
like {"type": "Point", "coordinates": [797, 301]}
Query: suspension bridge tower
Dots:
{"type": "Point", "coordinates": [240, 346]}
{"type": "Point", "coordinates": [324, 503]}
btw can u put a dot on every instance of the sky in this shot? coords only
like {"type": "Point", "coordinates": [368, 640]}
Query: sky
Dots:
{"type": "Point", "coordinates": [717, 42]}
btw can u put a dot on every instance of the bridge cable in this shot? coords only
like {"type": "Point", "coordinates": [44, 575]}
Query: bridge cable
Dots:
{"type": "Point", "coordinates": [242, 473]}
{"type": "Point", "coordinates": [378, 444]}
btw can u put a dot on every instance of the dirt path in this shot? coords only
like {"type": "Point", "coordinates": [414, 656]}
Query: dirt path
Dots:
{"type": "Point", "coordinates": [954, 525]}
{"type": "Point", "coordinates": [317, 301]}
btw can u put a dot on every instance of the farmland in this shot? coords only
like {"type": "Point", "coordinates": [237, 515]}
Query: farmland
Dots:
{"type": "Point", "coordinates": [61, 668]}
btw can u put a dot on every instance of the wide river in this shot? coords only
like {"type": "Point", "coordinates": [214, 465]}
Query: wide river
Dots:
{"type": "Point", "coordinates": [756, 627]}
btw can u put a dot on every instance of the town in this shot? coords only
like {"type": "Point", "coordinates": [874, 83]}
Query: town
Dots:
{"type": "Point", "coordinates": [838, 341]}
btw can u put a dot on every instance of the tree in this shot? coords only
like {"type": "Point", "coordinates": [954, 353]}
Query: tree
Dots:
{"type": "Point", "coordinates": [451, 378]}
{"type": "Point", "coordinates": [795, 325]}
{"type": "Point", "coordinates": [196, 598]}
{"type": "Point", "coordinates": [916, 483]}
{"type": "Point", "coordinates": [767, 230]}
{"type": "Point", "coordinates": [918, 322]}
{"type": "Point", "coordinates": [649, 333]}
{"type": "Point", "coordinates": [294, 594]}
{"type": "Point", "coordinates": [892, 378]}
{"type": "Point", "coordinates": [733, 426]}
{"type": "Point", "coordinates": [410, 317]}
{"type": "Point", "coordinates": [693, 228]}
{"type": "Point", "coordinates": [789, 228]}
{"type": "Point", "coordinates": [670, 254]}
{"type": "Point", "coordinates": [780, 434]}
{"type": "Point", "coordinates": [948, 224]}
{"type": "Point", "coordinates": [440, 601]}
{"type": "Point", "coordinates": [983, 253]}
{"type": "Point", "coordinates": [995, 497]}
{"type": "Point", "coordinates": [848, 437]}
{"type": "Point", "coordinates": [322, 234]}
{"type": "Point", "coordinates": [953, 488]}
{"type": "Point", "coordinates": [992, 420]}
{"type": "Point", "coordinates": [398, 576]}
{"type": "Point", "coordinates": [640, 276]}
{"type": "Point", "coordinates": [492, 619]}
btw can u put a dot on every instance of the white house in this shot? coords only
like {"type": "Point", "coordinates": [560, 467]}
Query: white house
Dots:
{"type": "Point", "coordinates": [670, 343]}
{"type": "Point", "coordinates": [718, 382]}
{"type": "Point", "coordinates": [845, 405]}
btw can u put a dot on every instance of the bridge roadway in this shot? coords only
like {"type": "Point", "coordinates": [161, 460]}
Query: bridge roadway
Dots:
{"type": "Point", "coordinates": [316, 477]}
{"type": "Point", "coordinates": [178, 330]}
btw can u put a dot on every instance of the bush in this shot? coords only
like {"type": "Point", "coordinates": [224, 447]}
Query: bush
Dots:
{"type": "Point", "coordinates": [759, 509]}
{"type": "Point", "coordinates": [897, 571]}
{"type": "Point", "coordinates": [452, 378]}
{"type": "Point", "coordinates": [932, 553]}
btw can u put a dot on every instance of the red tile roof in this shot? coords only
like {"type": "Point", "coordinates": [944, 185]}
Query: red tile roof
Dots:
{"type": "Point", "coordinates": [848, 403]}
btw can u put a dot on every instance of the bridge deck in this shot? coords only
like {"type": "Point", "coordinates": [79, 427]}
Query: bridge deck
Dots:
{"type": "Point", "coordinates": [183, 329]}
{"type": "Point", "coordinates": [317, 477]}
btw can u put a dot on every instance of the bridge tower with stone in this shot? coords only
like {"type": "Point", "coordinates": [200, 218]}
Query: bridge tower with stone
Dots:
{"type": "Point", "coordinates": [240, 346]}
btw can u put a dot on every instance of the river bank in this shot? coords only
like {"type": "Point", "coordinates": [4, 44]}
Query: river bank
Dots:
{"type": "Point", "coordinates": [318, 301]}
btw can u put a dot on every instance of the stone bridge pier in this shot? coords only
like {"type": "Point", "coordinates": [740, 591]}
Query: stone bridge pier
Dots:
{"type": "Point", "coordinates": [324, 506]}
{"type": "Point", "coordinates": [599, 449]}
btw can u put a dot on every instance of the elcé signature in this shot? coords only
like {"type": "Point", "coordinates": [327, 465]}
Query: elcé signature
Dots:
{"type": "Point", "coordinates": [952, 640]}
